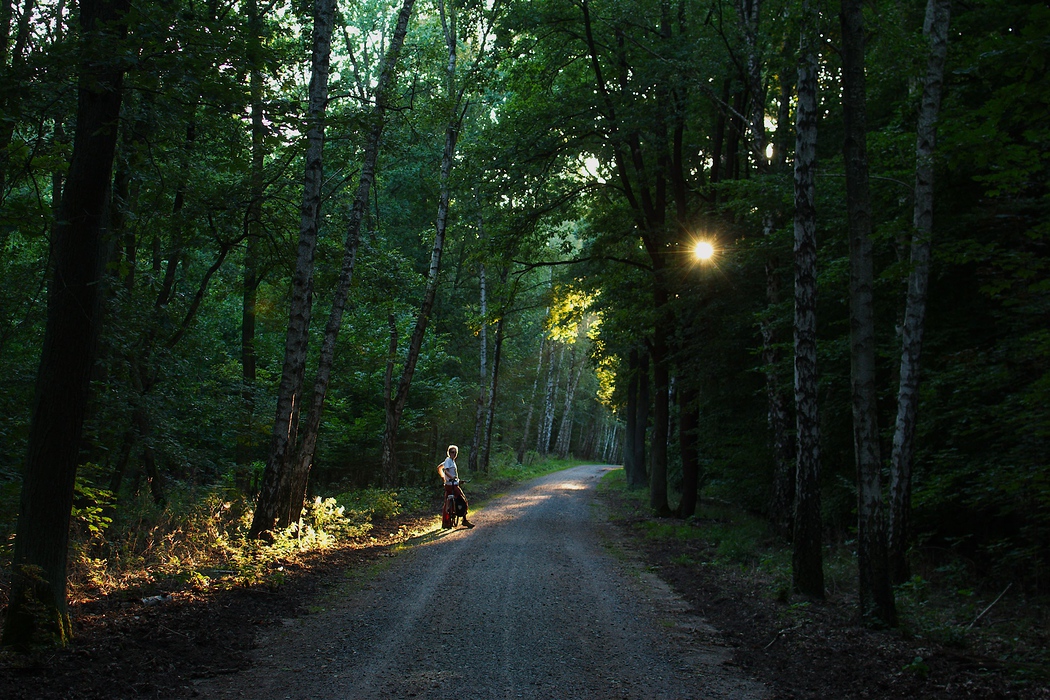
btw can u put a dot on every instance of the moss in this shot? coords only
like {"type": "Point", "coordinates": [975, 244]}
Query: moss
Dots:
{"type": "Point", "coordinates": [35, 618]}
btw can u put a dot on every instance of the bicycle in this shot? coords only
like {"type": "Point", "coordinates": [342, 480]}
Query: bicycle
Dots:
{"type": "Point", "coordinates": [453, 511]}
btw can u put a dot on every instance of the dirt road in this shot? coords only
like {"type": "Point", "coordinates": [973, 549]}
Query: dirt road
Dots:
{"type": "Point", "coordinates": [532, 603]}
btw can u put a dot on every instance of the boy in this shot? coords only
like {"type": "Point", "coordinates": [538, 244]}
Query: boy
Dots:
{"type": "Point", "coordinates": [450, 474]}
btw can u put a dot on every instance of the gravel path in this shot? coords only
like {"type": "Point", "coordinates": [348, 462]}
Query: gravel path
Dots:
{"type": "Point", "coordinates": [529, 604]}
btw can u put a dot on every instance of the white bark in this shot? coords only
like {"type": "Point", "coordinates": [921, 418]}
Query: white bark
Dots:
{"type": "Point", "coordinates": [483, 380]}
{"type": "Point", "coordinates": [532, 401]}
{"type": "Point", "coordinates": [543, 439]}
{"type": "Point", "coordinates": [874, 591]}
{"type": "Point", "coordinates": [272, 509]}
{"type": "Point", "coordinates": [938, 13]}
{"type": "Point", "coordinates": [807, 559]}
{"type": "Point", "coordinates": [565, 429]}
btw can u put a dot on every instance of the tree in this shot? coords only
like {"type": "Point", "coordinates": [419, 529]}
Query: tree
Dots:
{"type": "Point", "coordinates": [384, 97]}
{"type": "Point", "coordinates": [497, 357]}
{"type": "Point", "coordinates": [749, 12]}
{"type": "Point", "coordinates": [37, 608]}
{"type": "Point", "coordinates": [938, 13]}
{"type": "Point", "coordinates": [532, 401]}
{"type": "Point", "coordinates": [637, 417]}
{"type": "Point", "coordinates": [480, 418]}
{"type": "Point", "coordinates": [276, 500]}
{"type": "Point", "coordinates": [688, 426]}
{"type": "Point", "coordinates": [253, 224]}
{"type": "Point", "coordinates": [647, 195]}
{"type": "Point", "coordinates": [543, 435]}
{"type": "Point", "coordinates": [876, 595]}
{"type": "Point", "coordinates": [457, 106]}
{"type": "Point", "coordinates": [807, 570]}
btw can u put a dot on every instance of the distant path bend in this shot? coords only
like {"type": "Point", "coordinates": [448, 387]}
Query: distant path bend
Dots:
{"type": "Point", "coordinates": [544, 612]}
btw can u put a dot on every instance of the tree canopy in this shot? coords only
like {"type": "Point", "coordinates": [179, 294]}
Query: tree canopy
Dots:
{"type": "Point", "coordinates": [542, 172]}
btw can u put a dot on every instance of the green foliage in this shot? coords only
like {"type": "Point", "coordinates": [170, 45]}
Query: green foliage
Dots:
{"type": "Point", "coordinates": [91, 504]}
{"type": "Point", "coordinates": [507, 470]}
{"type": "Point", "coordinates": [199, 539]}
{"type": "Point", "coordinates": [535, 184]}
{"type": "Point", "coordinates": [380, 504]}
{"type": "Point", "coordinates": [728, 537]}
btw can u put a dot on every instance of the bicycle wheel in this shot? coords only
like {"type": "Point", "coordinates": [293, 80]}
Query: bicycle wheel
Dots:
{"type": "Point", "coordinates": [450, 504]}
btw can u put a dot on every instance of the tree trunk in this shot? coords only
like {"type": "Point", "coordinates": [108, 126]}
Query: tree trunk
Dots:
{"type": "Point", "coordinates": [661, 417]}
{"type": "Point", "coordinates": [149, 459]}
{"type": "Point", "coordinates": [253, 224]}
{"type": "Point", "coordinates": [807, 565]}
{"type": "Point", "coordinates": [388, 377]}
{"type": "Point", "coordinates": [609, 455]}
{"type": "Point", "coordinates": [777, 414]}
{"type": "Point", "coordinates": [630, 468]}
{"type": "Point", "coordinates": [482, 404]}
{"type": "Point", "coordinates": [395, 408]}
{"type": "Point", "coordinates": [641, 424]}
{"type": "Point", "coordinates": [688, 426]}
{"type": "Point", "coordinates": [296, 472]}
{"type": "Point", "coordinates": [543, 438]}
{"type": "Point", "coordinates": [749, 12]}
{"type": "Point", "coordinates": [490, 411]}
{"type": "Point", "coordinates": [273, 509]}
{"type": "Point", "coordinates": [876, 595]}
{"type": "Point", "coordinates": [647, 199]}
{"type": "Point", "coordinates": [300, 473]}
{"type": "Point", "coordinates": [37, 604]}
{"type": "Point", "coordinates": [938, 13]}
{"type": "Point", "coordinates": [532, 402]}
{"type": "Point", "coordinates": [564, 442]}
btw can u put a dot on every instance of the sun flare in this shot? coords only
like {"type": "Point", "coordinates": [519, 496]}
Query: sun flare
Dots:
{"type": "Point", "coordinates": [703, 250]}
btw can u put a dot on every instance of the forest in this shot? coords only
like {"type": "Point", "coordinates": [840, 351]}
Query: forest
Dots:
{"type": "Point", "coordinates": [260, 260]}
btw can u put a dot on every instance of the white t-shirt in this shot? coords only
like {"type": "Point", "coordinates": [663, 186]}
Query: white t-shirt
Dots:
{"type": "Point", "coordinates": [451, 474]}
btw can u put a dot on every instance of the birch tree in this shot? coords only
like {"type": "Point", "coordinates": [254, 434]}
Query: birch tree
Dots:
{"type": "Point", "coordinates": [938, 13]}
{"type": "Point", "coordinates": [458, 102]}
{"type": "Point", "coordinates": [876, 595]}
{"type": "Point", "coordinates": [807, 568]}
{"type": "Point", "coordinates": [532, 401]}
{"type": "Point", "coordinates": [543, 437]}
{"type": "Point", "coordinates": [749, 13]}
{"type": "Point", "coordinates": [482, 403]}
{"type": "Point", "coordinates": [384, 98]}
{"type": "Point", "coordinates": [576, 366]}
{"type": "Point", "coordinates": [288, 500]}
{"type": "Point", "coordinates": [274, 506]}
{"type": "Point", "coordinates": [490, 410]}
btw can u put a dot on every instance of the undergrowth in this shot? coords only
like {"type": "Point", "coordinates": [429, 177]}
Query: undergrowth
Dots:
{"type": "Point", "coordinates": [947, 603]}
{"type": "Point", "coordinates": [197, 539]}
{"type": "Point", "coordinates": [504, 470]}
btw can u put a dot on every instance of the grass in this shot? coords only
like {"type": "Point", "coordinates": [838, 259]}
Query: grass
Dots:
{"type": "Point", "coordinates": [198, 540]}
{"type": "Point", "coordinates": [943, 605]}
{"type": "Point", "coordinates": [504, 473]}
{"type": "Point", "coordinates": [726, 535]}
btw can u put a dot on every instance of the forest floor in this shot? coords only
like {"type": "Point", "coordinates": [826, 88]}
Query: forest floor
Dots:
{"type": "Point", "coordinates": [130, 645]}
{"type": "Point", "coordinates": [817, 650]}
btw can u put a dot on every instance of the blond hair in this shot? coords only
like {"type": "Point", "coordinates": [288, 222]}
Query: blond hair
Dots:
{"type": "Point", "coordinates": [452, 449]}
